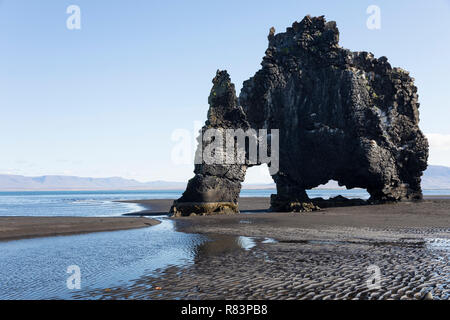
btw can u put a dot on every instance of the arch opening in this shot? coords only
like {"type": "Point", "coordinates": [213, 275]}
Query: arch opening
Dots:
{"type": "Point", "coordinates": [331, 194]}
{"type": "Point", "coordinates": [333, 189]}
{"type": "Point", "coordinates": [258, 182]}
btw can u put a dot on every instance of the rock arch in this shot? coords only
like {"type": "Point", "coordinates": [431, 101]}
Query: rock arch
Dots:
{"type": "Point", "coordinates": [342, 115]}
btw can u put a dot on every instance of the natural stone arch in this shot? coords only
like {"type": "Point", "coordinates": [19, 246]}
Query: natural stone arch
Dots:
{"type": "Point", "coordinates": [342, 115]}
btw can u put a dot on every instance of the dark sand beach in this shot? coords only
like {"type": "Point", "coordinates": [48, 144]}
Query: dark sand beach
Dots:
{"type": "Point", "coordinates": [12, 228]}
{"type": "Point", "coordinates": [318, 255]}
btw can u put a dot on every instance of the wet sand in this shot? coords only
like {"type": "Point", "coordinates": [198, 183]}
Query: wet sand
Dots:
{"type": "Point", "coordinates": [13, 228]}
{"type": "Point", "coordinates": [153, 207]}
{"type": "Point", "coordinates": [319, 255]}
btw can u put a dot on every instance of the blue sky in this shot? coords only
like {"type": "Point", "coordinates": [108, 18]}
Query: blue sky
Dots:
{"type": "Point", "coordinates": [105, 100]}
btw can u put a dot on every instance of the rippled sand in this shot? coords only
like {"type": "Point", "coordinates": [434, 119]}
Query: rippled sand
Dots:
{"type": "Point", "coordinates": [322, 255]}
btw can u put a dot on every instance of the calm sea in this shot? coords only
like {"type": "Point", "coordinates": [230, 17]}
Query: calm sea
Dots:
{"type": "Point", "coordinates": [103, 203]}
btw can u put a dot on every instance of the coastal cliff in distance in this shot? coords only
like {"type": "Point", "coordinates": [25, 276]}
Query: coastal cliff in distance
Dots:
{"type": "Point", "coordinates": [435, 177]}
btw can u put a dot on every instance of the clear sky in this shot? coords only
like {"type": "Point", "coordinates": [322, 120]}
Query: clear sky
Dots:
{"type": "Point", "coordinates": [104, 100]}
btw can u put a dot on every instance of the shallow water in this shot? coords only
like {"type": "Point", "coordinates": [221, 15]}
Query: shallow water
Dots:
{"type": "Point", "coordinates": [74, 203]}
{"type": "Point", "coordinates": [37, 268]}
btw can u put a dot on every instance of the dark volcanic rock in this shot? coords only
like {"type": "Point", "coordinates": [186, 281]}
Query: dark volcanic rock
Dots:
{"type": "Point", "coordinates": [215, 187]}
{"type": "Point", "coordinates": [342, 115]}
{"type": "Point", "coordinates": [338, 201]}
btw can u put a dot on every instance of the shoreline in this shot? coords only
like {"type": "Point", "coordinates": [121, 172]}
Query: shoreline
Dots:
{"type": "Point", "coordinates": [154, 207]}
{"type": "Point", "coordinates": [17, 228]}
{"type": "Point", "coordinates": [158, 207]}
{"type": "Point", "coordinates": [432, 212]}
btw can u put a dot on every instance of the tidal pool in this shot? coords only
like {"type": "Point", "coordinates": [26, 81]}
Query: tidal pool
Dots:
{"type": "Point", "coordinates": [37, 268]}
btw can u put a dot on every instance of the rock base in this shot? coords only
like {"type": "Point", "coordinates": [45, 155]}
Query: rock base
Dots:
{"type": "Point", "coordinates": [185, 209]}
{"type": "Point", "coordinates": [338, 201]}
{"type": "Point", "coordinates": [284, 204]}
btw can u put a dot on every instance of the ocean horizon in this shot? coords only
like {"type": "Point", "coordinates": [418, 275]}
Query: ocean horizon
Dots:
{"type": "Point", "coordinates": [106, 203]}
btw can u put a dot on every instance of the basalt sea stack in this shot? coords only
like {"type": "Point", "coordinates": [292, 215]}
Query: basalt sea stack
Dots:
{"type": "Point", "coordinates": [342, 115]}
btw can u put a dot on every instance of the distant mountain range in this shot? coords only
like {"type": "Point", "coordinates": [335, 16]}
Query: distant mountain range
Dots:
{"type": "Point", "coordinates": [50, 183]}
{"type": "Point", "coordinates": [435, 177]}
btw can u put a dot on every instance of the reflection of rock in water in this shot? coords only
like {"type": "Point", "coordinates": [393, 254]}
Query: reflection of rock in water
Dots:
{"type": "Point", "coordinates": [217, 245]}
{"type": "Point", "coordinates": [342, 115]}
{"type": "Point", "coordinates": [222, 244]}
